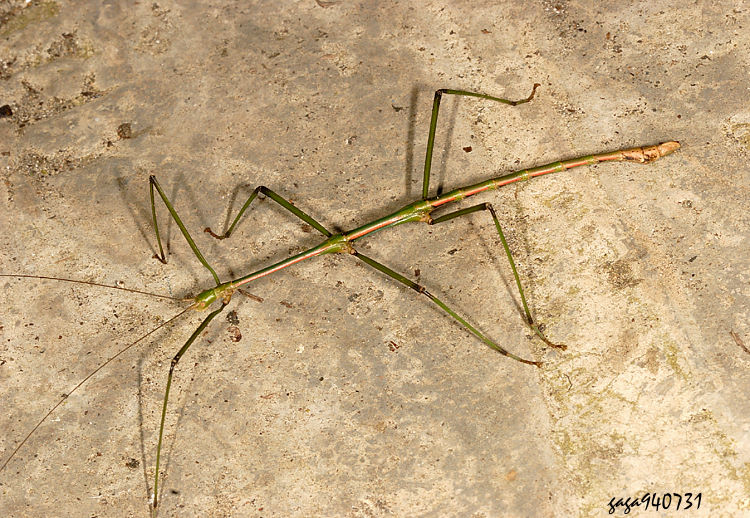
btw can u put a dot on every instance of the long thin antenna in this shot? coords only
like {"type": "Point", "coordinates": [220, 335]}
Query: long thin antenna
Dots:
{"type": "Point", "coordinates": [84, 380]}
{"type": "Point", "coordinates": [90, 283]}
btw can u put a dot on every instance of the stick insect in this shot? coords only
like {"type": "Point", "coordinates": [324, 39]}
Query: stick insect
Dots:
{"type": "Point", "coordinates": [419, 211]}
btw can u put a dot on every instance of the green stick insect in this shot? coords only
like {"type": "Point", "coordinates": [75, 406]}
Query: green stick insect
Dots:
{"type": "Point", "coordinates": [418, 211]}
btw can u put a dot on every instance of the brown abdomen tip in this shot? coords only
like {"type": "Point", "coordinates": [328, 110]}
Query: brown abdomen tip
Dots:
{"type": "Point", "coordinates": [666, 148]}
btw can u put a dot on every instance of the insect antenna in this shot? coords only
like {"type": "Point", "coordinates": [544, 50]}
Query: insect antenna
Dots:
{"type": "Point", "coordinates": [92, 373]}
{"type": "Point", "coordinates": [90, 283]}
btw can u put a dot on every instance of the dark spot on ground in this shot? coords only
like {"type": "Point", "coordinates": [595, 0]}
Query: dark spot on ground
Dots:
{"type": "Point", "coordinates": [124, 130]}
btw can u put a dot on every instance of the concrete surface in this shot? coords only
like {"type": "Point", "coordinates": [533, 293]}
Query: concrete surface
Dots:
{"type": "Point", "coordinates": [348, 395]}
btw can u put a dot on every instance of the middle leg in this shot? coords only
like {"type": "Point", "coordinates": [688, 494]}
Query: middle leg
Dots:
{"type": "Point", "coordinates": [421, 289]}
{"type": "Point", "coordinates": [278, 199]}
{"type": "Point", "coordinates": [486, 206]}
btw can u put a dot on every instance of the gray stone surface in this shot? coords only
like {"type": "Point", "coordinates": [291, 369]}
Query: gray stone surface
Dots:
{"type": "Point", "coordinates": [348, 395]}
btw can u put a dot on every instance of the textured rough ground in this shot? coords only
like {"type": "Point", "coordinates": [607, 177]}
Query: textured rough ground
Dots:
{"type": "Point", "coordinates": [346, 394]}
